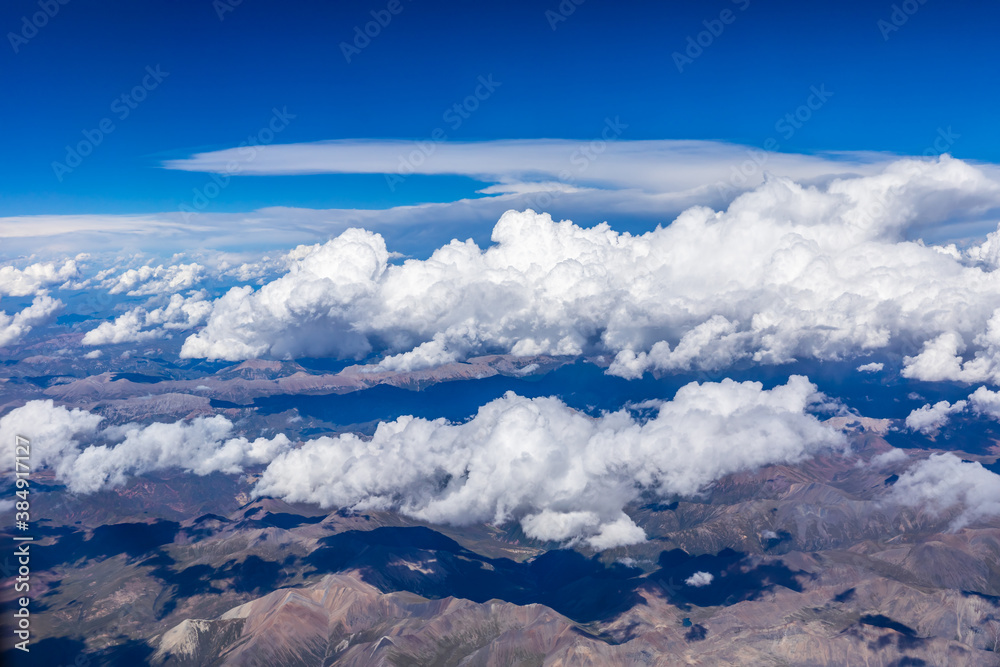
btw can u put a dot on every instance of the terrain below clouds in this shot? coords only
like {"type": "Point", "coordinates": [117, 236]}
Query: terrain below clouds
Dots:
{"type": "Point", "coordinates": [764, 434]}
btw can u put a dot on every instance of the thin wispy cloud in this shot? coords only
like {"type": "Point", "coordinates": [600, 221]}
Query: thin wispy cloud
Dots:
{"type": "Point", "coordinates": [653, 165]}
{"type": "Point", "coordinates": [644, 183]}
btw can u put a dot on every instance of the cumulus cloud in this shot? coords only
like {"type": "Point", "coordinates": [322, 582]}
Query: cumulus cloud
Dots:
{"type": "Point", "coordinates": [34, 279]}
{"type": "Point", "coordinates": [160, 279]}
{"type": "Point", "coordinates": [986, 253]}
{"type": "Point", "coordinates": [945, 483]}
{"type": "Point", "coordinates": [985, 402]}
{"type": "Point", "coordinates": [940, 360]}
{"type": "Point", "coordinates": [699, 579]}
{"type": "Point", "coordinates": [250, 267]}
{"type": "Point", "coordinates": [52, 431]}
{"type": "Point", "coordinates": [203, 445]}
{"type": "Point", "coordinates": [787, 272]}
{"type": "Point", "coordinates": [563, 475]}
{"type": "Point", "coordinates": [930, 418]}
{"type": "Point", "coordinates": [311, 310]}
{"type": "Point", "coordinates": [893, 456]}
{"type": "Point", "coordinates": [247, 272]}
{"type": "Point", "coordinates": [873, 367]}
{"type": "Point", "coordinates": [179, 312]}
{"type": "Point", "coordinates": [125, 328]}
{"type": "Point", "coordinates": [57, 435]}
{"type": "Point", "coordinates": [14, 327]}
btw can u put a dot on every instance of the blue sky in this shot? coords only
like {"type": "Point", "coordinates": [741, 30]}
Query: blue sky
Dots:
{"type": "Point", "coordinates": [605, 60]}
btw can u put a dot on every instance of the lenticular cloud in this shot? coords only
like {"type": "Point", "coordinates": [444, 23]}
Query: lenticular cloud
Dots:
{"type": "Point", "coordinates": [561, 474]}
{"type": "Point", "coordinates": [787, 272]}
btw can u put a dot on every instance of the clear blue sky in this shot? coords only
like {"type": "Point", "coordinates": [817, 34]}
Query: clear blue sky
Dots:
{"type": "Point", "coordinates": [938, 70]}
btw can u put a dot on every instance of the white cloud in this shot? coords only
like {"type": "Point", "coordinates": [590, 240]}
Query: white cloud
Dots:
{"type": "Point", "coordinates": [179, 313]}
{"type": "Point", "coordinates": [648, 180]}
{"type": "Point", "coordinates": [987, 253]}
{"type": "Point", "coordinates": [16, 326]}
{"type": "Point", "coordinates": [873, 367]}
{"type": "Point", "coordinates": [985, 402]}
{"type": "Point", "coordinates": [944, 483]}
{"type": "Point", "coordinates": [894, 455]}
{"type": "Point", "coordinates": [321, 296]}
{"type": "Point", "coordinates": [563, 475]}
{"type": "Point", "coordinates": [699, 579]}
{"type": "Point", "coordinates": [787, 272]}
{"type": "Point", "coordinates": [266, 266]}
{"type": "Point", "coordinates": [52, 431]}
{"type": "Point", "coordinates": [930, 418]}
{"type": "Point", "coordinates": [201, 445]}
{"type": "Point", "coordinates": [560, 473]}
{"type": "Point", "coordinates": [126, 328]}
{"type": "Point", "coordinates": [156, 279]}
{"type": "Point", "coordinates": [530, 164]}
{"type": "Point", "coordinates": [940, 360]}
{"type": "Point", "coordinates": [34, 279]}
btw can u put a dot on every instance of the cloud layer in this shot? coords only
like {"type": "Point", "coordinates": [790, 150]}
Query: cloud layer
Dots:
{"type": "Point", "coordinates": [561, 474]}
{"type": "Point", "coordinates": [787, 272]}
{"type": "Point", "coordinates": [587, 181]}
{"type": "Point", "coordinates": [35, 278]}
{"type": "Point", "coordinates": [160, 279]}
{"type": "Point", "coordinates": [651, 165]}
{"type": "Point", "coordinates": [57, 434]}
{"type": "Point", "coordinates": [140, 324]}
